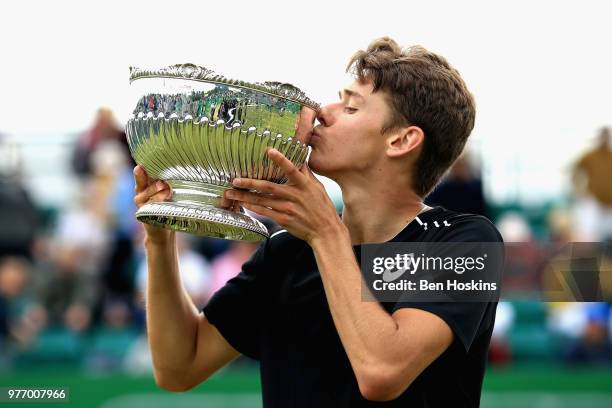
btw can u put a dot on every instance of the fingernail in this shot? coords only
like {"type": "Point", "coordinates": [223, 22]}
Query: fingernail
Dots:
{"type": "Point", "coordinates": [229, 194]}
{"type": "Point", "coordinates": [160, 185]}
{"type": "Point", "coordinates": [237, 182]}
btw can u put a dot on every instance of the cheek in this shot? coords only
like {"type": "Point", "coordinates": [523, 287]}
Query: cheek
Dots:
{"type": "Point", "coordinates": [360, 137]}
{"type": "Point", "coordinates": [351, 130]}
{"type": "Point", "coordinates": [351, 145]}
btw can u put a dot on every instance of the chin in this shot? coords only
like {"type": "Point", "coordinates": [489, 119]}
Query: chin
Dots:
{"type": "Point", "coordinates": [315, 164]}
{"type": "Point", "coordinates": [321, 166]}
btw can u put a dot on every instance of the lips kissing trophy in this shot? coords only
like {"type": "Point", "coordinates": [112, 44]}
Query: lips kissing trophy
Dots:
{"type": "Point", "coordinates": [198, 130]}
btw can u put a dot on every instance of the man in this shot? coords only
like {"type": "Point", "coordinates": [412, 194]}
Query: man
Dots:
{"type": "Point", "coordinates": [297, 305]}
{"type": "Point", "coordinates": [591, 179]}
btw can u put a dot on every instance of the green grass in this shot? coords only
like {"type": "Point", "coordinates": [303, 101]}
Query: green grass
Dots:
{"type": "Point", "coordinates": [525, 386]}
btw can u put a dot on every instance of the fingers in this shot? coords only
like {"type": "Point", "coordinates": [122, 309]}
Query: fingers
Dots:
{"type": "Point", "coordinates": [255, 198]}
{"type": "Point", "coordinates": [288, 168]}
{"type": "Point", "coordinates": [306, 171]}
{"type": "Point", "coordinates": [141, 178]}
{"type": "Point", "coordinates": [261, 210]}
{"type": "Point", "coordinates": [235, 206]}
{"type": "Point", "coordinates": [227, 204]}
{"type": "Point", "coordinates": [263, 186]}
{"type": "Point", "coordinates": [147, 189]}
{"type": "Point", "coordinates": [158, 191]}
{"type": "Point", "coordinates": [162, 195]}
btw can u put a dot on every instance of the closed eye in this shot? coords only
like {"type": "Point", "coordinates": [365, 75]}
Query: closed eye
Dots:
{"type": "Point", "coordinates": [349, 109]}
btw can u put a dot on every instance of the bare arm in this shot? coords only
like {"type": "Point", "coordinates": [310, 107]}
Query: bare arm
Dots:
{"type": "Point", "coordinates": [186, 348]}
{"type": "Point", "coordinates": [387, 352]}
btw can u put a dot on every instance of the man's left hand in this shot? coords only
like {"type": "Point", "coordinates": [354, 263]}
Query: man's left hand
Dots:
{"type": "Point", "coordinates": [301, 206]}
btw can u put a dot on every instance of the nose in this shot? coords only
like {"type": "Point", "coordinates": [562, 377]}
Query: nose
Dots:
{"type": "Point", "coordinates": [325, 117]}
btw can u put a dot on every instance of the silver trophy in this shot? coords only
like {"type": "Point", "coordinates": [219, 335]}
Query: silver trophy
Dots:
{"type": "Point", "coordinates": [198, 131]}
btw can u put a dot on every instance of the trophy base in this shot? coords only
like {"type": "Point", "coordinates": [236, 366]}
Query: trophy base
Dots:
{"type": "Point", "coordinates": [201, 217]}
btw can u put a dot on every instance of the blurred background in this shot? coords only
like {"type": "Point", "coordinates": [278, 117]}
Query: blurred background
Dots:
{"type": "Point", "coordinates": [72, 271]}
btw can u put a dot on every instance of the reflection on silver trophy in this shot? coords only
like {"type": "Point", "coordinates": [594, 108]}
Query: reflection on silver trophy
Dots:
{"type": "Point", "coordinates": [198, 131]}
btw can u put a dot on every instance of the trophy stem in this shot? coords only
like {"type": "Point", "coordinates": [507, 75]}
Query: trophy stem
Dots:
{"type": "Point", "coordinates": [194, 192]}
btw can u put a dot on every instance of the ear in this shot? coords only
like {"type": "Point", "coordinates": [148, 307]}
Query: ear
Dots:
{"type": "Point", "coordinates": [404, 140]}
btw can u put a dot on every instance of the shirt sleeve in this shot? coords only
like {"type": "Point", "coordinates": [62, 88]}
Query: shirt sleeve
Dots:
{"type": "Point", "coordinates": [463, 318]}
{"type": "Point", "coordinates": [466, 319]}
{"type": "Point", "coordinates": [236, 309]}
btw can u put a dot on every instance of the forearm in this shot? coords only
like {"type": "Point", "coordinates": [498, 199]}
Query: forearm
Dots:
{"type": "Point", "coordinates": [366, 330]}
{"type": "Point", "coordinates": [171, 314]}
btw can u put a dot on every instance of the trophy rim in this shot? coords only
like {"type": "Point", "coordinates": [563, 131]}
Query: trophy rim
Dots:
{"type": "Point", "coordinates": [193, 72]}
{"type": "Point", "coordinates": [235, 226]}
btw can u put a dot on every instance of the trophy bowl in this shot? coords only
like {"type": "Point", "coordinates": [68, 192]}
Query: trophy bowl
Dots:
{"type": "Point", "coordinates": [198, 130]}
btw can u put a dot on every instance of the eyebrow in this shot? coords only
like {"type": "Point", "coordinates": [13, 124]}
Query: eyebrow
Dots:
{"type": "Point", "coordinates": [350, 94]}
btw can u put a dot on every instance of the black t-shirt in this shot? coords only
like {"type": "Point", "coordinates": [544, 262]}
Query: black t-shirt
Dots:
{"type": "Point", "coordinates": [276, 311]}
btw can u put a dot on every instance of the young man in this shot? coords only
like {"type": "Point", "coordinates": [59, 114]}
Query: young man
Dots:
{"type": "Point", "coordinates": [297, 304]}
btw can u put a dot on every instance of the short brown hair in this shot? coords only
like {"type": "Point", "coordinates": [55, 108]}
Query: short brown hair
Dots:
{"type": "Point", "coordinates": [425, 91]}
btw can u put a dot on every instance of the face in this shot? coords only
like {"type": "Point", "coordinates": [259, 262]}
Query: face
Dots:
{"type": "Point", "coordinates": [349, 137]}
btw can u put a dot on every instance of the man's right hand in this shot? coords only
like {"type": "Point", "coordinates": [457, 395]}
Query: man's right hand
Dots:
{"type": "Point", "coordinates": [149, 190]}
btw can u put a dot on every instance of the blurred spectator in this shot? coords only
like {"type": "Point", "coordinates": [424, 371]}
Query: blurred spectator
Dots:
{"type": "Point", "coordinates": [194, 271]}
{"type": "Point", "coordinates": [567, 319]}
{"type": "Point", "coordinates": [560, 226]}
{"type": "Point", "coordinates": [514, 227]}
{"type": "Point", "coordinates": [593, 188]}
{"type": "Point", "coordinates": [83, 227]}
{"type": "Point", "coordinates": [67, 290]}
{"type": "Point", "coordinates": [111, 180]}
{"type": "Point", "coordinates": [460, 190]}
{"type": "Point", "coordinates": [113, 338]}
{"type": "Point", "coordinates": [18, 215]}
{"type": "Point", "coordinates": [68, 280]}
{"type": "Point", "coordinates": [524, 258]}
{"type": "Point", "coordinates": [593, 344]}
{"type": "Point", "coordinates": [22, 319]}
{"type": "Point", "coordinates": [105, 129]}
{"type": "Point", "coordinates": [113, 170]}
{"type": "Point", "coordinates": [581, 329]}
{"type": "Point", "coordinates": [576, 270]}
{"type": "Point", "coordinates": [500, 351]}
{"type": "Point", "coordinates": [228, 265]}
{"type": "Point", "coordinates": [210, 247]}
{"type": "Point", "coordinates": [13, 280]}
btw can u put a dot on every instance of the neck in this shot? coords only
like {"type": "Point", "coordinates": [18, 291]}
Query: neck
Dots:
{"type": "Point", "coordinates": [376, 211]}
